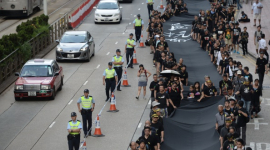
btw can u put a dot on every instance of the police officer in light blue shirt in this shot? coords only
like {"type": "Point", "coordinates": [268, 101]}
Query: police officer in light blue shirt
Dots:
{"type": "Point", "coordinates": [118, 62]}
{"type": "Point", "coordinates": [138, 26]}
{"type": "Point", "coordinates": [150, 4]}
{"type": "Point", "coordinates": [110, 77]}
{"type": "Point", "coordinates": [74, 128]}
{"type": "Point", "coordinates": [88, 106]}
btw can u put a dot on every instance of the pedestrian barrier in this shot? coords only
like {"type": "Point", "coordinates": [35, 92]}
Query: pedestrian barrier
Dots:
{"type": "Point", "coordinates": [161, 5]}
{"type": "Point", "coordinates": [84, 146]}
{"type": "Point", "coordinates": [125, 80]}
{"type": "Point", "coordinates": [141, 42]}
{"type": "Point", "coordinates": [113, 103]}
{"type": "Point", "coordinates": [135, 58]}
{"type": "Point", "coordinates": [80, 13]}
{"type": "Point", "coordinates": [97, 129]}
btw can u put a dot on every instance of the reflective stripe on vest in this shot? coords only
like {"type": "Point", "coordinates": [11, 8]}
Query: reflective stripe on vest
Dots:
{"type": "Point", "coordinates": [117, 60]}
{"type": "Point", "coordinates": [130, 42]}
{"type": "Point", "coordinates": [150, 1]}
{"type": "Point", "coordinates": [138, 22]}
{"type": "Point", "coordinates": [110, 73]}
{"type": "Point", "coordinates": [86, 102]}
{"type": "Point", "coordinates": [74, 126]}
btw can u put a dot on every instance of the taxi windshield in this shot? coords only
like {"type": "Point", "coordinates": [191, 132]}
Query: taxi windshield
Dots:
{"type": "Point", "coordinates": [36, 71]}
{"type": "Point", "coordinates": [73, 38]}
{"type": "Point", "coordinates": [107, 5]}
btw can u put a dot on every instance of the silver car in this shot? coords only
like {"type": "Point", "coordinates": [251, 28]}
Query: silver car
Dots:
{"type": "Point", "coordinates": [75, 45]}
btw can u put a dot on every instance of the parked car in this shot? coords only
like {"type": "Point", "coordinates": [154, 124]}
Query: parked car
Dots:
{"type": "Point", "coordinates": [75, 45]}
{"type": "Point", "coordinates": [108, 11]}
{"type": "Point", "coordinates": [39, 78]}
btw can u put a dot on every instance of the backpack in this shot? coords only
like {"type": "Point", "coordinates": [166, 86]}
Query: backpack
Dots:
{"type": "Point", "coordinates": [170, 89]}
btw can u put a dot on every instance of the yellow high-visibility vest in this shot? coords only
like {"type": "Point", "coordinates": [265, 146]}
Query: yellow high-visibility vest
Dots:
{"type": "Point", "coordinates": [109, 73]}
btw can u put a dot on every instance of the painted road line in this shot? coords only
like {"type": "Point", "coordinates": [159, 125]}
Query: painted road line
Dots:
{"type": "Point", "coordinates": [123, 32]}
{"type": "Point", "coordinates": [98, 65]}
{"type": "Point", "coordinates": [140, 124]}
{"type": "Point", "coordinates": [85, 82]}
{"type": "Point", "coordinates": [130, 14]}
{"type": "Point", "coordinates": [257, 123]}
{"type": "Point", "coordinates": [52, 124]}
{"type": "Point", "coordinates": [142, 3]}
{"type": "Point", "coordinates": [70, 101]}
{"type": "Point", "coordinates": [116, 42]}
{"type": "Point", "coordinates": [139, 9]}
{"type": "Point", "coordinates": [134, 15]}
{"type": "Point", "coordinates": [108, 53]}
{"type": "Point", "coordinates": [149, 103]}
{"type": "Point", "coordinates": [130, 23]}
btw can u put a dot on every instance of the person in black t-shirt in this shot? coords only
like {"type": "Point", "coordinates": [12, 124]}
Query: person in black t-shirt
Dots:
{"type": "Point", "coordinates": [261, 68]}
{"type": "Point", "coordinates": [224, 84]}
{"type": "Point", "coordinates": [163, 98]}
{"type": "Point", "coordinates": [149, 140]}
{"type": "Point", "coordinates": [236, 37]}
{"type": "Point", "coordinates": [246, 91]}
{"type": "Point", "coordinates": [229, 143]}
{"type": "Point", "coordinates": [209, 90]}
{"type": "Point", "coordinates": [205, 40]}
{"type": "Point", "coordinates": [241, 120]}
{"type": "Point", "coordinates": [184, 76]}
{"type": "Point", "coordinates": [202, 18]}
{"type": "Point", "coordinates": [175, 95]}
{"type": "Point", "coordinates": [152, 87]}
{"type": "Point", "coordinates": [247, 75]}
{"type": "Point", "coordinates": [158, 127]}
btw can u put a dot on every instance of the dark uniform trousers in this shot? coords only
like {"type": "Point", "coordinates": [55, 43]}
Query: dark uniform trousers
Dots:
{"type": "Point", "coordinates": [74, 143]}
{"type": "Point", "coordinates": [244, 47]}
{"type": "Point", "coordinates": [261, 76]}
{"type": "Point", "coordinates": [119, 72]}
{"type": "Point", "coordinates": [110, 83]}
{"type": "Point", "coordinates": [87, 118]}
{"type": "Point", "coordinates": [150, 8]}
{"type": "Point", "coordinates": [138, 31]}
{"type": "Point", "coordinates": [129, 54]}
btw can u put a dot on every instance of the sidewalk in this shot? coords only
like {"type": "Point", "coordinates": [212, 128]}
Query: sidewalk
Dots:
{"type": "Point", "coordinates": [250, 28]}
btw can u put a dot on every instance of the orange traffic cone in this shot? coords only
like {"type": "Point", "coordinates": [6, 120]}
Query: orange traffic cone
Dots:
{"type": "Point", "coordinates": [141, 41]}
{"type": "Point", "coordinates": [135, 58]}
{"type": "Point", "coordinates": [97, 129]}
{"type": "Point", "coordinates": [161, 5]}
{"type": "Point", "coordinates": [84, 146]}
{"type": "Point", "coordinates": [113, 102]}
{"type": "Point", "coordinates": [125, 80]}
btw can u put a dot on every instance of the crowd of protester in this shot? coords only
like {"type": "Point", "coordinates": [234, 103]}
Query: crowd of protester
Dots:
{"type": "Point", "coordinates": [218, 33]}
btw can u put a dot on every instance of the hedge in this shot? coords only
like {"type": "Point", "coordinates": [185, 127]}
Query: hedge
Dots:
{"type": "Point", "coordinates": [25, 31]}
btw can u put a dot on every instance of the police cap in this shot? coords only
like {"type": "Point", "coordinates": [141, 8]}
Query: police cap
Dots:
{"type": "Point", "coordinates": [86, 91]}
{"type": "Point", "coordinates": [118, 50]}
{"type": "Point", "coordinates": [138, 15]}
{"type": "Point", "coordinates": [110, 63]}
{"type": "Point", "coordinates": [131, 34]}
{"type": "Point", "coordinates": [73, 114]}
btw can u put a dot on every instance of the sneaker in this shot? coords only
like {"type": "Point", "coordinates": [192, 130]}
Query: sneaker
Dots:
{"type": "Point", "coordinates": [234, 51]}
{"type": "Point", "coordinates": [238, 53]}
{"type": "Point", "coordinates": [137, 97]}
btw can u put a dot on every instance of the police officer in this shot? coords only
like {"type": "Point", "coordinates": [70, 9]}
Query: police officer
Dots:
{"type": "Point", "coordinates": [74, 128]}
{"type": "Point", "coordinates": [110, 76]}
{"type": "Point", "coordinates": [138, 26]}
{"type": "Point", "coordinates": [118, 61]}
{"type": "Point", "coordinates": [88, 106]}
{"type": "Point", "coordinates": [150, 4]}
{"type": "Point", "coordinates": [129, 48]}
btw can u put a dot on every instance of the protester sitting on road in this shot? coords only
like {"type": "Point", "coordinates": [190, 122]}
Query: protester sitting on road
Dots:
{"type": "Point", "coordinates": [197, 90]}
{"type": "Point", "coordinates": [244, 17]}
{"type": "Point", "coordinates": [209, 90]}
{"type": "Point", "coordinates": [143, 75]}
{"type": "Point", "coordinates": [206, 78]}
{"type": "Point", "coordinates": [255, 102]}
{"type": "Point", "coordinates": [191, 93]}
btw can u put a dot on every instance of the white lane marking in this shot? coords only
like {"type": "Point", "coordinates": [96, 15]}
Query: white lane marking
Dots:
{"type": "Point", "coordinates": [142, 3]}
{"type": "Point", "coordinates": [116, 42]}
{"type": "Point", "coordinates": [130, 14]}
{"type": "Point", "coordinates": [140, 124]}
{"type": "Point", "coordinates": [70, 101]}
{"type": "Point", "coordinates": [123, 32]}
{"type": "Point", "coordinates": [108, 53]}
{"type": "Point", "coordinates": [52, 124]}
{"type": "Point", "coordinates": [139, 9]}
{"type": "Point", "coordinates": [259, 146]}
{"type": "Point", "coordinates": [257, 123]}
{"type": "Point", "coordinates": [134, 15]}
{"type": "Point", "coordinates": [130, 23]}
{"type": "Point", "coordinates": [85, 82]}
{"type": "Point", "coordinates": [149, 102]}
{"type": "Point", "coordinates": [98, 65]}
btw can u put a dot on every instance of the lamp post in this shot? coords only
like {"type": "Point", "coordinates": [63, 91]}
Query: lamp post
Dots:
{"type": "Point", "coordinates": [45, 7]}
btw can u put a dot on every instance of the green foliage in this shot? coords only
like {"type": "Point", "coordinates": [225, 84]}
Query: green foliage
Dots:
{"type": "Point", "coordinates": [25, 31]}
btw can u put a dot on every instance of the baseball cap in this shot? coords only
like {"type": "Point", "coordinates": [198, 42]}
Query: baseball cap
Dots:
{"type": "Point", "coordinates": [118, 50]}
{"type": "Point", "coordinates": [73, 114]}
{"type": "Point", "coordinates": [155, 103]}
{"type": "Point", "coordinates": [86, 91]}
{"type": "Point", "coordinates": [157, 110]}
{"type": "Point", "coordinates": [154, 116]}
{"type": "Point", "coordinates": [110, 63]}
{"type": "Point", "coordinates": [239, 72]}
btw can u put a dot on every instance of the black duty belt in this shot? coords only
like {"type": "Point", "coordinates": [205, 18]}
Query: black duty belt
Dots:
{"type": "Point", "coordinates": [111, 79]}
{"type": "Point", "coordinates": [118, 67]}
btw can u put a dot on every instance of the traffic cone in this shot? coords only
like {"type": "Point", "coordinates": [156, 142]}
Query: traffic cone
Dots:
{"type": "Point", "coordinates": [161, 5]}
{"type": "Point", "coordinates": [84, 146]}
{"type": "Point", "coordinates": [135, 58]}
{"type": "Point", "coordinates": [125, 80]}
{"type": "Point", "coordinates": [97, 129]}
{"type": "Point", "coordinates": [141, 42]}
{"type": "Point", "coordinates": [113, 107]}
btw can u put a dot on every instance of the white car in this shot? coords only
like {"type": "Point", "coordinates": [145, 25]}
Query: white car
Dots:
{"type": "Point", "coordinates": [108, 11]}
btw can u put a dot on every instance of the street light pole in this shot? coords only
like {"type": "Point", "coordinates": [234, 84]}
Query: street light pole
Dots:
{"type": "Point", "coordinates": [45, 7]}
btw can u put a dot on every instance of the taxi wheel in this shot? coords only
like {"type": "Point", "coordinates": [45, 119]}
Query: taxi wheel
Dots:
{"type": "Point", "coordinates": [17, 98]}
{"type": "Point", "coordinates": [53, 94]}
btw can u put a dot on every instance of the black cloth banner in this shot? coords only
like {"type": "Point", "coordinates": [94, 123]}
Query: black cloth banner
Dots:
{"type": "Point", "coordinates": [192, 126]}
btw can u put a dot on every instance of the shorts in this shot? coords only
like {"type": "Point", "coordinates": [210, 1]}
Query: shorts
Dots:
{"type": "Point", "coordinates": [256, 16]}
{"type": "Point", "coordinates": [257, 45]}
{"type": "Point", "coordinates": [228, 42]}
{"type": "Point", "coordinates": [216, 53]}
{"type": "Point", "coordinates": [235, 40]}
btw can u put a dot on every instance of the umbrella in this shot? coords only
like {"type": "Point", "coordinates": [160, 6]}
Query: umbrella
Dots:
{"type": "Point", "coordinates": [168, 73]}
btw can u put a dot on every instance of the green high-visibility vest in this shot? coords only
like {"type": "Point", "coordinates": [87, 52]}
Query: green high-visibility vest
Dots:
{"type": "Point", "coordinates": [117, 60]}
{"type": "Point", "coordinates": [138, 22]}
{"type": "Point", "coordinates": [150, 1]}
{"type": "Point", "coordinates": [131, 42]}
{"type": "Point", "coordinates": [74, 126]}
{"type": "Point", "coordinates": [86, 102]}
{"type": "Point", "coordinates": [109, 73]}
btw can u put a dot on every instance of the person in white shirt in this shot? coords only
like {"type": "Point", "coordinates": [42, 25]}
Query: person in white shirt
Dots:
{"type": "Point", "coordinates": [263, 47]}
{"type": "Point", "coordinates": [256, 11]}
